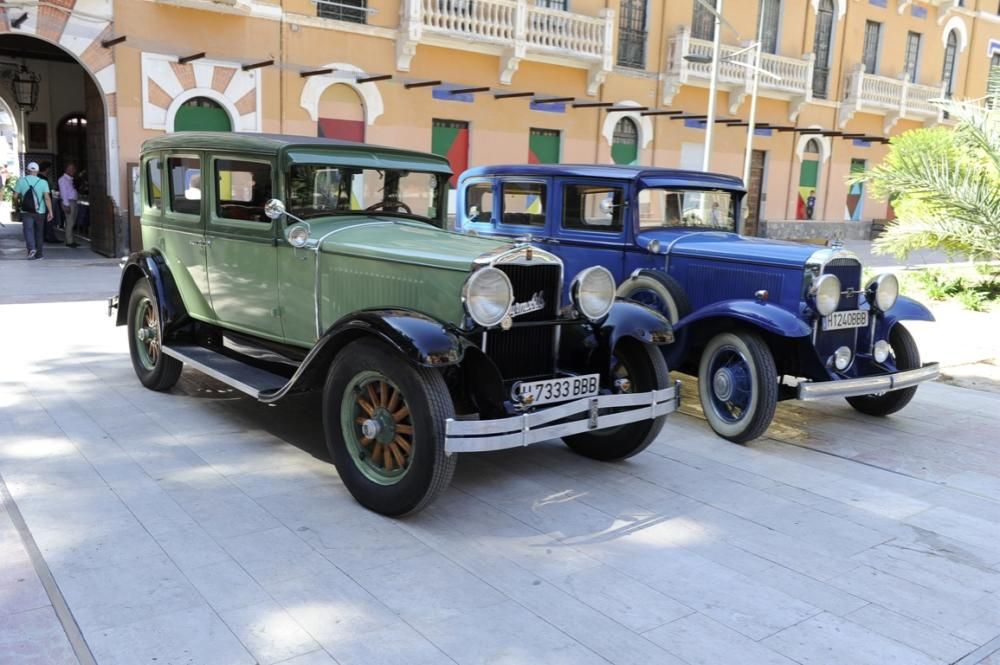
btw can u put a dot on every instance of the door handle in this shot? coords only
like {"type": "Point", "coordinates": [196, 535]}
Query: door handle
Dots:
{"type": "Point", "coordinates": [201, 243]}
{"type": "Point", "coordinates": [553, 241]}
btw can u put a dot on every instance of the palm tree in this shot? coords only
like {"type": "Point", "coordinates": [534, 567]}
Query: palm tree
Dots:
{"type": "Point", "coordinates": [944, 184]}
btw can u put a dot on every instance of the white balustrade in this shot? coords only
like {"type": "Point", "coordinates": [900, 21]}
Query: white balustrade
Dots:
{"type": "Point", "coordinates": [517, 24]}
{"type": "Point", "coordinates": [896, 97]}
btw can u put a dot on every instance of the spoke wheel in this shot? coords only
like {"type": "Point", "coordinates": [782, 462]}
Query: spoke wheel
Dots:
{"type": "Point", "coordinates": [384, 420]}
{"type": "Point", "coordinates": [155, 370]}
{"type": "Point", "coordinates": [377, 428]}
{"type": "Point", "coordinates": [738, 385]}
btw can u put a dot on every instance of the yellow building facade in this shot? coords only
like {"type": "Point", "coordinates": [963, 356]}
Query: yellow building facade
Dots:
{"type": "Point", "coordinates": [513, 81]}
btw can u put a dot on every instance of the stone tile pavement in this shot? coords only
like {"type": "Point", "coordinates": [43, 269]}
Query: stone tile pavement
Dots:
{"type": "Point", "coordinates": [200, 527]}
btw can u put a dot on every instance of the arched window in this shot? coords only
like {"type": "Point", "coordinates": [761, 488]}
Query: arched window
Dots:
{"type": "Point", "coordinates": [822, 40]}
{"type": "Point", "coordinates": [625, 142]}
{"type": "Point", "coordinates": [950, 58]}
{"type": "Point", "coordinates": [202, 114]}
{"type": "Point", "coordinates": [812, 146]}
{"type": "Point", "coordinates": [341, 114]}
{"type": "Point", "coordinates": [71, 142]}
{"type": "Point", "coordinates": [808, 180]}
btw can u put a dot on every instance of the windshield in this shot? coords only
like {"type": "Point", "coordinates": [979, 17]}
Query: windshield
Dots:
{"type": "Point", "coordinates": [706, 209]}
{"type": "Point", "coordinates": [321, 189]}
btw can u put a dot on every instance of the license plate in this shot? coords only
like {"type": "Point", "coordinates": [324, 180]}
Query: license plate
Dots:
{"type": "Point", "coordinates": [556, 390]}
{"type": "Point", "coordinates": [855, 318]}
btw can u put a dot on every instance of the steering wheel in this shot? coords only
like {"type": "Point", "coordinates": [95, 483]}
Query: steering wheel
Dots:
{"type": "Point", "coordinates": [385, 203]}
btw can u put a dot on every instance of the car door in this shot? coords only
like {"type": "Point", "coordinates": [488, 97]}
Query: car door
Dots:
{"type": "Point", "coordinates": [522, 206]}
{"type": "Point", "coordinates": [588, 227]}
{"type": "Point", "coordinates": [183, 233]}
{"type": "Point", "coordinates": [242, 254]}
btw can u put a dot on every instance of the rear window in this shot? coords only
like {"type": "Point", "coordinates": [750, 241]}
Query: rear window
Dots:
{"type": "Point", "coordinates": [523, 203]}
{"type": "Point", "coordinates": [185, 184]}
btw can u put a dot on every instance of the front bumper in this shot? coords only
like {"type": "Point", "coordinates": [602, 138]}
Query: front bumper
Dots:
{"type": "Point", "coordinates": [868, 385]}
{"type": "Point", "coordinates": [475, 436]}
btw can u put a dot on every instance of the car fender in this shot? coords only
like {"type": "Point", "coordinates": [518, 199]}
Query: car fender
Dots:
{"type": "Point", "coordinates": [629, 319]}
{"type": "Point", "coordinates": [905, 309]}
{"type": "Point", "coordinates": [152, 266]}
{"type": "Point", "coordinates": [764, 315]}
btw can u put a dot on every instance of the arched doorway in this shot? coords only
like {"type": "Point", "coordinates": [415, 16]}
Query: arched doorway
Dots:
{"type": "Point", "coordinates": [201, 114]}
{"type": "Point", "coordinates": [625, 142]}
{"type": "Point", "coordinates": [341, 114]}
{"type": "Point", "coordinates": [808, 179]}
{"type": "Point", "coordinates": [70, 123]}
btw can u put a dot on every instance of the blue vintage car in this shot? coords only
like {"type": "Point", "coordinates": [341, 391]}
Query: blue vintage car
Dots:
{"type": "Point", "coordinates": [757, 320]}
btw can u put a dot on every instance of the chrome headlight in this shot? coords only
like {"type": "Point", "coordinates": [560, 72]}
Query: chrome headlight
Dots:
{"type": "Point", "coordinates": [298, 235]}
{"type": "Point", "coordinates": [825, 294]}
{"type": "Point", "coordinates": [882, 292]}
{"type": "Point", "coordinates": [593, 292]}
{"type": "Point", "coordinates": [881, 351]}
{"type": "Point", "coordinates": [487, 296]}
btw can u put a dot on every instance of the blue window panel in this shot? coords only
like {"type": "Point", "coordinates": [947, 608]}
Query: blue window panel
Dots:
{"type": "Point", "coordinates": [694, 124]}
{"type": "Point", "coordinates": [443, 93]}
{"type": "Point", "coordinates": [879, 3]}
{"type": "Point", "coordinates": [993, 47]}
{"type": "Point", "coordinates": [763, 131]}
{"type": "Point", "coordinates": [858, 143]}
{"type": "Point", "coordinates": [548, 107]}
{"type": "Point", "coordinates": [918, 12]}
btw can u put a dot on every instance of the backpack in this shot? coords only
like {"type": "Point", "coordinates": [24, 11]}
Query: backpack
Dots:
{"type": "Point", "coordinates": [29, 203]}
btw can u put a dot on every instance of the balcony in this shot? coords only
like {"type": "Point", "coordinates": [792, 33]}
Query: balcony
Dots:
{"type": "Point", "coordinates": [893, 98]}
{"type": "Point", "coordinates": [512, 29]}
{"type": "Point", "coordinates": [736, 72]}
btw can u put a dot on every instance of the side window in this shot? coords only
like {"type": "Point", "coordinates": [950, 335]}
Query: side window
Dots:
{"type": "Point", "coordinates": [154, 184]}
{"type": "Point", "coordinates": [523, 203]}
{"type": "Point", "coordinates": [242, 189]}
{"type": "Point", "coordinates": [479, 202]}
{"type": "Point", "coordinates": [593, 208]}
{"type": "Point", "coordinates": [185, 184]}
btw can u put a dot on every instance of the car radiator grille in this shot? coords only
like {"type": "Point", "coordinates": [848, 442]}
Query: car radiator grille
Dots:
{"type": "Point", "coordinates": [848, 271]}
{"type": "Point", "coordinates": [521, 353]}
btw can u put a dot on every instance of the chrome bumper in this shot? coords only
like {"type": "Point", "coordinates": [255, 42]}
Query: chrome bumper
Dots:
{"type": "Point", "coordinates": [868, 385]}
{"type": "Point", "coordinates": [476, 436]}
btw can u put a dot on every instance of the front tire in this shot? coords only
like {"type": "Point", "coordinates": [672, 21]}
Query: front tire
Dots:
{"type": "Point", "coordinates": [155, 370]}
{"type": "Point", "coordinates": [907, 356]}
{"type": "Point", "coordinates": [385, 424]}
{"type": "Point", "coordinates": [643, 367]}
{"type": "Point", "coordinates": [738, 385]}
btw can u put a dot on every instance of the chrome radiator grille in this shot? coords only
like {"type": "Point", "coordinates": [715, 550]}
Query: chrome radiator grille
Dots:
{"type": "Point", "coordinates": [848, 271]}
{"type": "Point", "coordinates": [530, 351]}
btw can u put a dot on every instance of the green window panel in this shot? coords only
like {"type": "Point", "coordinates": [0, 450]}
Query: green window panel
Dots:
{"type": "Point", "coordinates": [543, 146]}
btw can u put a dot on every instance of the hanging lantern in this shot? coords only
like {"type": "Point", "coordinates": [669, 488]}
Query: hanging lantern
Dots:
{"type": "Point", "coordinates": [25, 87]}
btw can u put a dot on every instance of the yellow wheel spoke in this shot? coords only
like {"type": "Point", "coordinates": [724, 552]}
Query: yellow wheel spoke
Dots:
{"type": "Point", "coordinates": [383, 393]}
{"type": "Point", "coordinates": [394, 449]}
{"type": "Point", "coordinates": [404, 429]}
{"type": "Point", "coordinates": [360, 420]}
{"type": "Point", "coordinates": [372, 395]}
{"type": "Point", "coordinates": [402, 443]}
{"type": "Point", "coordinates": [365, 441]}
{"type": "Point", "coordinates": [377, 453]}
{"type": "Point", "coordinates": [394, 401]}
{"type": "Point", "coordinates": [402, 413]}
{"type": "Point", "coordinates": [387, 458]}
{"type": "Point", "coordinates": [368, 408]}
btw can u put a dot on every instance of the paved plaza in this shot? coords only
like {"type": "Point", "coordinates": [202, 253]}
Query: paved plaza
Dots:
{"type": "Point", "coordinates": [199, 527]}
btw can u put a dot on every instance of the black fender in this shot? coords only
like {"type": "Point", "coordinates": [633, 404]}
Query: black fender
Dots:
{"type": "Point", "coordinates": [422, 340]}
{"type": "Point", "coordinates": [589, 347]}
{"type": "Point", "coordinates": [152, 266]}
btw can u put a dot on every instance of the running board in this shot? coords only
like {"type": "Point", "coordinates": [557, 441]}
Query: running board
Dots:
{"type": "Point", "coordinates": [246, 378]}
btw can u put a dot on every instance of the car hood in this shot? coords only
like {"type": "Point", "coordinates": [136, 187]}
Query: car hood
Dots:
{"type": "Point", "coordinates": [392, 239]}
{"type": "Point", "coordinates": [725, 246]}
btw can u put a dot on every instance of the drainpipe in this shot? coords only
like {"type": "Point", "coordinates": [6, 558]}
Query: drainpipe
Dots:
{"type": "Point", "coordinates": [600, 116]}
{"type": "Point", "coordinates": [835, 112]}
{"type": "Point", "coordinates": [659, 79]}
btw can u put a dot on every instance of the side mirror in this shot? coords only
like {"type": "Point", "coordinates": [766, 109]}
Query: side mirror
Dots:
{"type": "Point", "coordinates": [274, 208]}
{"type": "Point", "coordinates": [473, 212]}
{"type": "Point", "coordinates": [607, 206]}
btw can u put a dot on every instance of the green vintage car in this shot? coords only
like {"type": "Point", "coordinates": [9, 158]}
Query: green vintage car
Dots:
{"type": "Point", "coordinates": [281, 264]}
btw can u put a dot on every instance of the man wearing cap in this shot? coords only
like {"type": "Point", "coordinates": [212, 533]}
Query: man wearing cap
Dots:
{"type": "Point", "coordinates": [32, 198]}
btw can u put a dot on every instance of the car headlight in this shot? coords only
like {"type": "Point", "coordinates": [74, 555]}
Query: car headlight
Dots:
{"type": "Point", "coordinates": [298, 235]}
{"type": "Point", "coordinates": [825, 293]}
{"type": "Point", "coordinates": [881, 351]}
{"type": "Point", "coordinates": [594, 292]}
{"type": "Point", "coordinates": [488, 295]}
{"type": "Point", "coordinates": [882, 292]}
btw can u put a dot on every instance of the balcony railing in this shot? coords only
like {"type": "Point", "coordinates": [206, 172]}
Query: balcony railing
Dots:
{"type": "Point", "coordinates": [514, 29]}
{"type": "Point", "coordinates": [894, 98]}
{"type": "Point", "coordinates": [736, 71]}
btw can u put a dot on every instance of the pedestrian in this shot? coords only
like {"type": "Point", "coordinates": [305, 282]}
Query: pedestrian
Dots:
{"type": "Point", "coordinates": [68, 198]}
{"type": "Point", "coordinates": [811, 204]}
{"type": "Point", "coordinates": [32, 198]}
{"type": "Point", "coordinates": [44, 172]}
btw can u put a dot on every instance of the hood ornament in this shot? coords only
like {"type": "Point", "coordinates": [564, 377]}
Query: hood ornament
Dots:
{"type": "Point", "coordinates": [536, 303]}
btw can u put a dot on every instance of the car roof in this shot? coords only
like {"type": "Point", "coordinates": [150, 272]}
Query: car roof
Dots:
{"type": "Point", "coordinates": [608, 171]}
{"type": "Point", "coordinates": [275, 143]}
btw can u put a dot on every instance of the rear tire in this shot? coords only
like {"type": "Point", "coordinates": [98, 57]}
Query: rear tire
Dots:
{"type": "Point", "coordinates": [738, 385]}
{"type": "Point", "coordinates": [643, 365]}
{"type": "Point", "coordinates": [384, 421]}
{"type": "Point", "coordinates": [155, 370]}
{"type": "Point", "coordinates": [907, 356]}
